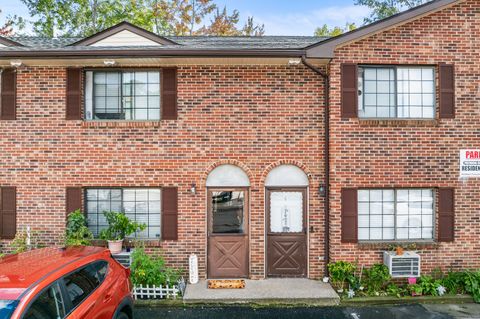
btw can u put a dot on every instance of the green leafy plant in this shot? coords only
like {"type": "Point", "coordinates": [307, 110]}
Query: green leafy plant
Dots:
{"type": "Point", "coordinates": [340, 272]}
{"type": "Point", "coordinates": [454, 282]}
{"type": "Point", "coordinates": [395, 290]}
{"type": "Point", "coordinates": [429, 285]}
{"type": "Point", "coordinates": [77, 232]}
{"type": "Point", "coordinates": [148, 270]}
{"type": "Point", "coordinates": [119, 226]}
{"type": "Point", "coordinates": [415, 289]}
{"type": "Point", "coordinates": [471, 280]}
{"type": "Point", "coordinates": [19, 243]}
{"type": "Point", "coordinates": [376, 277]}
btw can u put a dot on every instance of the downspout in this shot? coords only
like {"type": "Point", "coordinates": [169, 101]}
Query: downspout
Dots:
{"type": "Point", "coordinates": [326, 153]}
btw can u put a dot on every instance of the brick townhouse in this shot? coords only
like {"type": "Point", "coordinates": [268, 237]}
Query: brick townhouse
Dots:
{"type": "Point", "coordinates": [264, 156]}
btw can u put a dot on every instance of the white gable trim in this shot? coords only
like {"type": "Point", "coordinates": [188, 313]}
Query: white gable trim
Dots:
{"type": "Point", "coordinates": [124, 38]}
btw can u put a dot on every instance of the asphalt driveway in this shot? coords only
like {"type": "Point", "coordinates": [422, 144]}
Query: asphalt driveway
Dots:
{"type": "Point", "coordinates": [470, 311]}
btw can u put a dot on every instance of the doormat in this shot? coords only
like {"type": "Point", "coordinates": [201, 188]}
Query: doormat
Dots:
{"type": "Point", "coordinates": [226, 284]}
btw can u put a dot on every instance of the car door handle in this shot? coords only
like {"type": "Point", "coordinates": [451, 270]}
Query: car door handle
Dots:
{"type": "Point", "coordinates": [108, 297]}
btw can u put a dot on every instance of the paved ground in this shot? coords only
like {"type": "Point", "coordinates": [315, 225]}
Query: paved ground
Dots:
{"type": "Point", "coordinates": [273, 289]}
{"type": "Point", "coordinates": [470, 311]}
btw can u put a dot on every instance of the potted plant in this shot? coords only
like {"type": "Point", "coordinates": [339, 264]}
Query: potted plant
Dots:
{"type": "Point", "coordinates": [119, 227]}
{"type": "Point", "coordinates": [399, 250]}
{"type": "Point", "coordinates": [415, 290]}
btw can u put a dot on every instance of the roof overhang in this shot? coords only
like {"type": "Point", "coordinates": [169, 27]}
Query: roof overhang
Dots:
{"type": "Point", "coordinates": [325, 49]}
{"type": "Point", "coordinates": [151, 52]}
{"type": "Point", "coordinates": [163, 61]}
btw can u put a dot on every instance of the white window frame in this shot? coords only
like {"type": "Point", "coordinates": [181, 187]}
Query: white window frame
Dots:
{"type": "Point", "coordinates": [395, 213]}
{"type": "Point", "coordinates": [90, 94]}
{"type": "Point", "coordinates": [395, 93]}
{"type": "Point", "coordinates": [98, 213]}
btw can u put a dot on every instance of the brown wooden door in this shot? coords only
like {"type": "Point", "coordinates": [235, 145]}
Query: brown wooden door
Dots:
{"type": "Point", "coordinates": [228, 233]}
{"type": "Point", "coordinates": [286, 232]}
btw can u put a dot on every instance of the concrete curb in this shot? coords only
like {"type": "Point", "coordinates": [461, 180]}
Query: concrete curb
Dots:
{"type": "Point", "coordinates": [387, 300]}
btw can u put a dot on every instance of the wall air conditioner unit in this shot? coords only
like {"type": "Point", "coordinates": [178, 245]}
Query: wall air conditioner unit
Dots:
{"type": "Point", "coordinates": [404, 266]}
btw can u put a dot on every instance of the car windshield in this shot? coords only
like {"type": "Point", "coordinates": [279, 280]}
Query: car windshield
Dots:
{"type": "Point", "coordinates": [7, 307]}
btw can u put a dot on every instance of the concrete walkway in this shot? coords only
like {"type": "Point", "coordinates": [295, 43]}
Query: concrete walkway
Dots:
{"type": "Point", "coordinates": [278, 291]}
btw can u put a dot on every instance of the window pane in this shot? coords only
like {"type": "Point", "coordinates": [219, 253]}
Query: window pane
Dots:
{"type": "Point", "coordinates": [48, 305]}
{"type": "Point", "coordinates": [409, 210]}
{"type": "Point", "coordinates": [141, 205]}
{"type": "Point", "coordinates": [363, 234]}
{"type": "Point", "coordinates": [286, 212]}
{"type": "Point", "coordinates": [80, 284]}
{"type": "Point", "coordinates": [227, 211]}
{"type": "Point", "coordinates": [127, 95]}
{"type": "Point", "coordinates": [378, 92]}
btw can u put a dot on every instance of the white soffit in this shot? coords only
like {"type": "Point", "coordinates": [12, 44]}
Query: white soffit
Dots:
{"type": "Point", "coordinates": [124, 38]}
{"type": "Point", "coordinates": [227, 176]}
{"type": "Point", "coordinates": [286, 175]}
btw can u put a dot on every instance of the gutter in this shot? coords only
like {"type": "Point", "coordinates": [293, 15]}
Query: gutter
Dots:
{"type": "Point", "coordinates": [326, 153]}
{"type": "Point", "coordinates": [132, 53]}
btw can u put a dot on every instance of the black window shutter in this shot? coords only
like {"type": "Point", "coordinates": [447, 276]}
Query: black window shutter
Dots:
{"type": "Point", "coordinates": [446, 214]}
{"type": "Point", "coordinates": [170, 213]}
{"type": "Point", "coordinates": [74, 94]}
{"type": "Point", "coordinates": [349, 215]}
{"type": "Point", "coordinates": [8, 102]}
{"type": "Point", "coordinates": [169, 94]}
{"type": "Point", "coordinates": [349, 90]}
{"type": "Point", "coordinates": [73, 199]}
{"type": "Point", "coordinates": [447, 90]}
{"type": "Point", "coordinates": [8, 212]}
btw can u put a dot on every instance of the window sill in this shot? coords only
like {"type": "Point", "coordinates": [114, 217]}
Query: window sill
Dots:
{"type": "Point", "coordinates": [120, 123]}
{"type": "Point", "coordinates": [385, 245]}
{"type": "Point", "coordinates": [399, 122]}
{"type": "Point", "coordinates": [130, 243]}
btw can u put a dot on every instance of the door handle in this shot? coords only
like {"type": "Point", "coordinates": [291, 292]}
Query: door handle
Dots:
{"type": "Point", "coordinates": [108, 297]}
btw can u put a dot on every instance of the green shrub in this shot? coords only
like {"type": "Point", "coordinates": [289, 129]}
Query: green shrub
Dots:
{"type": "Point", "coordinates": [119, 226]}
{"type": "Point", "coordinates": [454, 282]}
{"type": "Point", "coordinates": [77, 232]}
{"type": "Point", "coordinates": [471, 280]}
{"type": "Point", "coordinates": [148, 270]}
{"type": "Point", "coordinates": [341, 272]}
{"type": "Point", "coordinates": [429, 285]}
{"type": "Point", "coordinates": [396, 290]}
{"type": "Point", "coordinates": [375, 278]}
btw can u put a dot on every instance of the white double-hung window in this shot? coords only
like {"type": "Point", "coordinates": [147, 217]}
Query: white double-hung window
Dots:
{"type": "Point", "coordinates": [395, 214]}
{"type": "Point", "coordinates": [122, 95]}
{"type": "Point", "coordinates": [396, 92]}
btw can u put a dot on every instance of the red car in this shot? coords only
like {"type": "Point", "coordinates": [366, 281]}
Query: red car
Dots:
{"type": "Point", "coordinates": [75, 282]}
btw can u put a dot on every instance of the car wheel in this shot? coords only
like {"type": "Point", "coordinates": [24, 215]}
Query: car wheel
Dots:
{"type": "Point", "coordinates": [122, 315]}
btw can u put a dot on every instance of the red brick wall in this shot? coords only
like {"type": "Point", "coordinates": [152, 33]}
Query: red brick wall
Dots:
{"type": "Point", "coordinates": [409, 153]}
{"type": "Point", "coordinates": [255, 116]}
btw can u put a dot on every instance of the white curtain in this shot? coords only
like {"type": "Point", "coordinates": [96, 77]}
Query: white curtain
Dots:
{"type": "Point", "coordinates": [286, 212]}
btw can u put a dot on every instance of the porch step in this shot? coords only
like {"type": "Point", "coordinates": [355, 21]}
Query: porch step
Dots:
{"type": "Point", "coordinates": [267, 291]}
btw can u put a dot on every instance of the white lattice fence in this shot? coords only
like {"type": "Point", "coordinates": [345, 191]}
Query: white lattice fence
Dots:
{"type": "Point", "coordinates": [155, 292]}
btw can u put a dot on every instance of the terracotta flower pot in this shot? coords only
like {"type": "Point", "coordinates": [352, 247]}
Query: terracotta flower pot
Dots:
{"type": "Point", "coordinates": [399, 251]}
{"type": "Point", "coordinates": [115, 246]}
